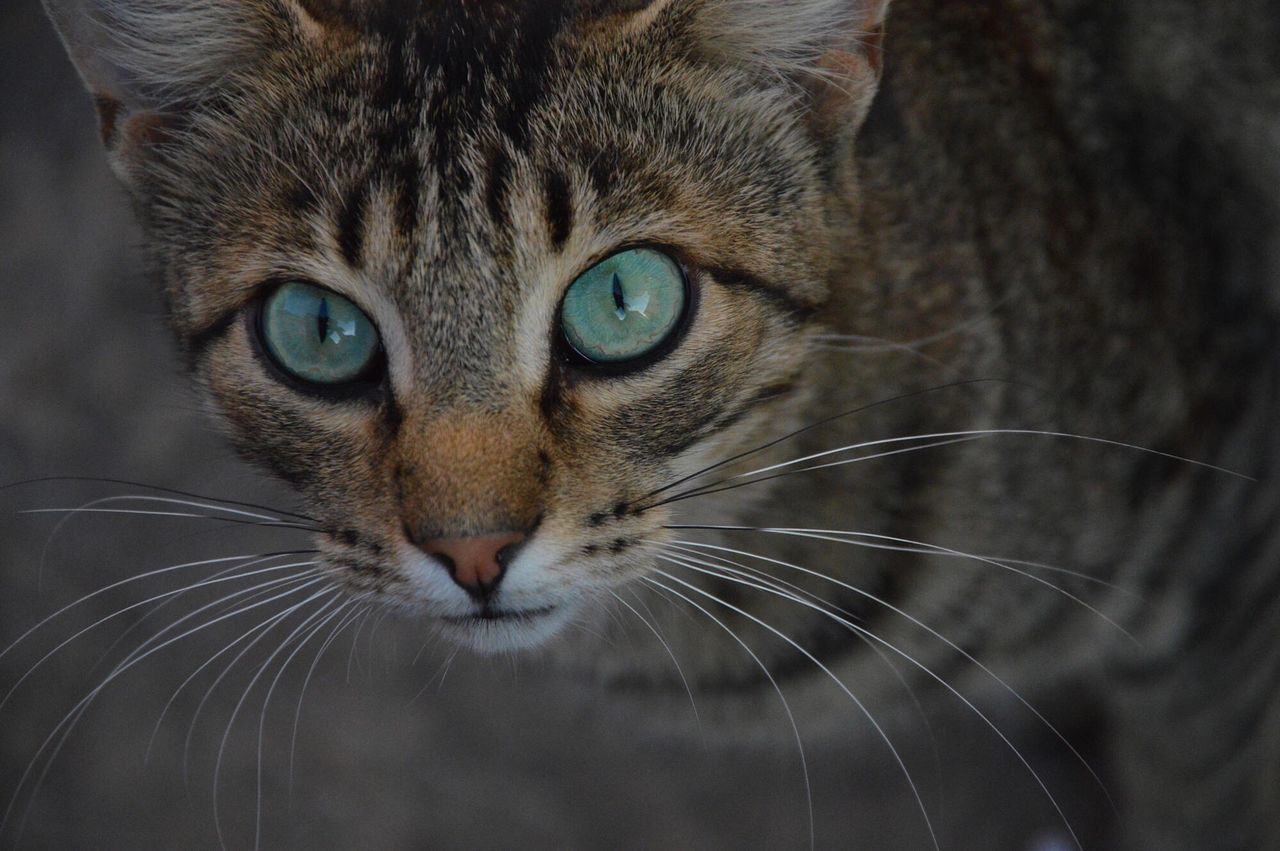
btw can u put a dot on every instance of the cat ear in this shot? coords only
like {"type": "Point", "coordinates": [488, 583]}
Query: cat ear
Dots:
{"type": "Point", "coordinates": [831, 49]}
{"type": "Point", "coordinates": [144, 61]}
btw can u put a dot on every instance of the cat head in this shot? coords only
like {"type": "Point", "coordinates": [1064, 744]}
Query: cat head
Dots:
{"type": "Point", "coordinates": [481, 278]}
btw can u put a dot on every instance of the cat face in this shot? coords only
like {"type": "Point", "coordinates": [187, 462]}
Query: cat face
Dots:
{"type": "Point", "coordinates": [480, 284]}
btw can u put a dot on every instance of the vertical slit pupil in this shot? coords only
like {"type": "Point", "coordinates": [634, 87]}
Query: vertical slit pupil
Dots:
{"type": "Point", "coordinates": [322, 319]}
{"type": "Point", "coordinates": [619, 297]}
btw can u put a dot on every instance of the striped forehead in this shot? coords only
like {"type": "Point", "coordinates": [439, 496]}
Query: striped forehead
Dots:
{"type": "Point", "coordinates": [425, 215]}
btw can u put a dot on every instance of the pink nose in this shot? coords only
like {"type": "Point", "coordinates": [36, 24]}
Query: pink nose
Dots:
{"type": "Point", "coordinates": [476, 564]}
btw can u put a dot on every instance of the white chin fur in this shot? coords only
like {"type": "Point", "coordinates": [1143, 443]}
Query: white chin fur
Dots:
{"type": "Point", "coordinates": [508, 636]}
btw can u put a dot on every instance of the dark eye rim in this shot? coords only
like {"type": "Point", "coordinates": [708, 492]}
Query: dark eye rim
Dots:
{"type": "Point", "coordinates": [568, 354]}
{"type": "Point", "coordinates": [369, 386]}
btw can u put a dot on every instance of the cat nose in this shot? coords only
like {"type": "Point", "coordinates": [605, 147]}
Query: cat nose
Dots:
{"type": "Point", "coordinates": [476, 564]}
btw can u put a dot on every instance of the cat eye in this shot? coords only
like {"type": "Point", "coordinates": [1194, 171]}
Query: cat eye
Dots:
{"type": "Point", "coordinates": [625, 307]}
{"type": "Point", "coordinates": [317, 336]}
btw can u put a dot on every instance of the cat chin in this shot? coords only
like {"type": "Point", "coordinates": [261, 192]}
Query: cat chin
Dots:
{"type": "Point", "coordinates": [515, 632]}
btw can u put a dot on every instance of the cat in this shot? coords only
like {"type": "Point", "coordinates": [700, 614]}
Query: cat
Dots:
{"type": "Point", "coordinates": [870, 339]}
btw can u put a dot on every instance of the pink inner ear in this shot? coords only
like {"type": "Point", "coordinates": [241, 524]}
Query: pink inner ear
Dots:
{"type": "Point", "coordinates": [124, 132]}
{"type": "Point", "coordinates": [108, 113]}
{"type": "Point", "coordinates": [849, 83]}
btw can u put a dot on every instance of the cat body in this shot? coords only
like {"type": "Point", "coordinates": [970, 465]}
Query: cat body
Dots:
{"type": "Point", "coordinates": [1051, 221]}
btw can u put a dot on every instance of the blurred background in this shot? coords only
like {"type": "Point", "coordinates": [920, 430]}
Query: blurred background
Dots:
{"type": "Point", "coordinates": [390, 753]}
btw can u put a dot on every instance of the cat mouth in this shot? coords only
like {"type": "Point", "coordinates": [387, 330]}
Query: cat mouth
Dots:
{"type": "Point", "coordinates": [488, 615]}
{"type": "Point", "coordinates": [490, 630]}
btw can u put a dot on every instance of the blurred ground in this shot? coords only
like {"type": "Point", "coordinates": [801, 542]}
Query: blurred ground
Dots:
{"type": "Point", "coordinates": [503, 755]}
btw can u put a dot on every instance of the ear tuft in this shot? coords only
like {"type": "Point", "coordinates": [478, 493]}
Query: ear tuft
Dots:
{"type": "Point", "coordinates": [789, 38]}
{"type": "Point", "coordinates": [141, 58]}
{"type": "Point", "coordinates": [829, 49]}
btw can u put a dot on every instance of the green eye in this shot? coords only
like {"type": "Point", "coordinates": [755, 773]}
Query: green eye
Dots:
{"type": "Point", "coordinates": [317, 335]}
{"type": "Point", "coordinates": [625, 307]}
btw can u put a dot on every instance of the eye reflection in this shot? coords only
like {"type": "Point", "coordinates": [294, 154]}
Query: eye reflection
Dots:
{"type": "Point", "coordinates": [317, 335]}
{"type": "Point", "coordinates": [624, 307]}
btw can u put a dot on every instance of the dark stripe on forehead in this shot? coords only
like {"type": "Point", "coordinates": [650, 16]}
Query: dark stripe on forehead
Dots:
{"type": "Point", "coordinates": [351, 224]}
{"type": "Point", "coordinates": [559, 208]}
{"type": "Point", "coordinates": [499, 177]}
{"type": "Point", "coordinates": [406, 183]}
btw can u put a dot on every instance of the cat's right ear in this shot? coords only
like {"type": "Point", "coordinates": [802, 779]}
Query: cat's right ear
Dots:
{"type": "Point", "coordinates": [145, 62]}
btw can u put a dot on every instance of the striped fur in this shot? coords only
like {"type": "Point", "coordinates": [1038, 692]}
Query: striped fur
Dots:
{"type": "Point", "coordinates": [1036, 202]}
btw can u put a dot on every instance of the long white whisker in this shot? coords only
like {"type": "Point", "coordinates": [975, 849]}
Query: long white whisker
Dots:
{"type": "Point", "coordinates": [352, 657]}
{"type": "Point", "coordinates": [249, 595]}
{"type": "Point", "coordinates": [679, 670]}
{"type": "Point", "coordinates": [969, 657]}
{"type": "Point", "coordinates": [139, 577]}
{"type": "Point", "coordinates": [159, 607]}
{"type": "Point", "coordinates": [263, 630]}
{"type": "Point", "coordinates": [740, 481]}
{"type": "Point", "coordinates": [69, 720]}
{"type": "Point", "coordinates": [726, 575]}
{"type": "Point", "coordinates": [203, 584]}
{"type": "Point", "coordinates": [338, 628]}
{"type": "Point", "coordinates": [329, 618]}
{"type": "Point", "coordinates": [869, 540]}
{"type": "Point", "coordinates": [915, 791]}
{"type": "Point", "coordinates": [217, 771]}
{"type": "Point", "coordinates": [994, 432]}
{"type": "Point", "coordinates": [165, 500]}
{"type": "Point", "coordinates": [792, 588]}
{"type": "Point", "coordinates": [440, 673]}
{"type": "Point", "coordinates": [786, 706]}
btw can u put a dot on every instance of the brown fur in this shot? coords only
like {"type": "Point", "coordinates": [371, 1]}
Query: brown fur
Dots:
{"type": "Point", "coordinates": [1020, 207]}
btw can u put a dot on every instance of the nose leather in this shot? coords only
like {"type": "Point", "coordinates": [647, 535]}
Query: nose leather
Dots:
{"type": "Point", "coordinates": [477, 564]}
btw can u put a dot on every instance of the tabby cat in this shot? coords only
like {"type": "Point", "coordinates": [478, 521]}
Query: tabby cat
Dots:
{"type": "Point", "coordinates": [804, 340]}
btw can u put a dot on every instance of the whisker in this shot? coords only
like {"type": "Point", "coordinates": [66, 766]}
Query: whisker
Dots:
{"type": "Point", "coordinates": [441, 671]}
{"type": "Point", "coordinates": [137, 578]}
{"type": "Point", "coordinates": [158, 489]}
{"type": "Point", "coordinates": [261, 632]}
{"type": "Point", "coordinates": [338, 628]}
{"type": "Point", "coordinates": [248, 595]}
{"type": "Point", "coordinates": [262, 629]}
{"type": "Point", "coordinates": [793, 588]}
{"type": "Point", "coordinates": [924, 811]}
{"type": "Point", "coordinates": [63, 729]}
{"type": "Point", "coordinates": [871, 343]}
{"type": "Point", "coordinates": [205, 583]}
{"type": "Point", "coordinates": [329, 618]}
{"type": "Point", "coordinates": [969, 657]}
{"type": "Point", "coordinates": [235, 712]}
{"type": "Point", "coordinates": [786, 706]}
{"type": "Point", "coordinates": [189, 515]}
{"type": "Point", "coordinates": [976, 433]}
{"type": "Point", "coordinates": [163, 604]}
{"type": "Point", "coordinates": [818, 424]}
{"type": "Point", "coordinates": [852, 626]}
{"type": "Point", "coordinates": [731, 482]}
{"type": "Point", "coordinates": [876, 345]}
{"type": "Point", "coordinates": [679, 670]}
{"type": "Point", "coordinates": [90, 508]}
{"type": "Point", "coordinates": [444, 671]}
{"type": "Point", "coordinates": [373, 634]}
{"type": "Point", "coordinates": [315, 630]}
{"type": "Point", "coordinates": [869, 540]}
{"type": "Point", "coordinates": [352, 656]}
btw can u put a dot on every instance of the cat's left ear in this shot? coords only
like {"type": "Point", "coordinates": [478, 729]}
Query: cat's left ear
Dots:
{"type": "Point", "coordinates": [829, 49]}
{"type": "Point", "coordinates": [147, 61]}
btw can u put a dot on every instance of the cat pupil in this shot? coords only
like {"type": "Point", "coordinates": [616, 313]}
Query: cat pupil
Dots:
{"type": "Point", "coordinates": [619, 298]}
{"type": "Point", "coordinates": [322, 320]}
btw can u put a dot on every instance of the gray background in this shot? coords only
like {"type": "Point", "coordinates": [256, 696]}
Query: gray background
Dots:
{"type": "Point", "coordinates": [503, 754]}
